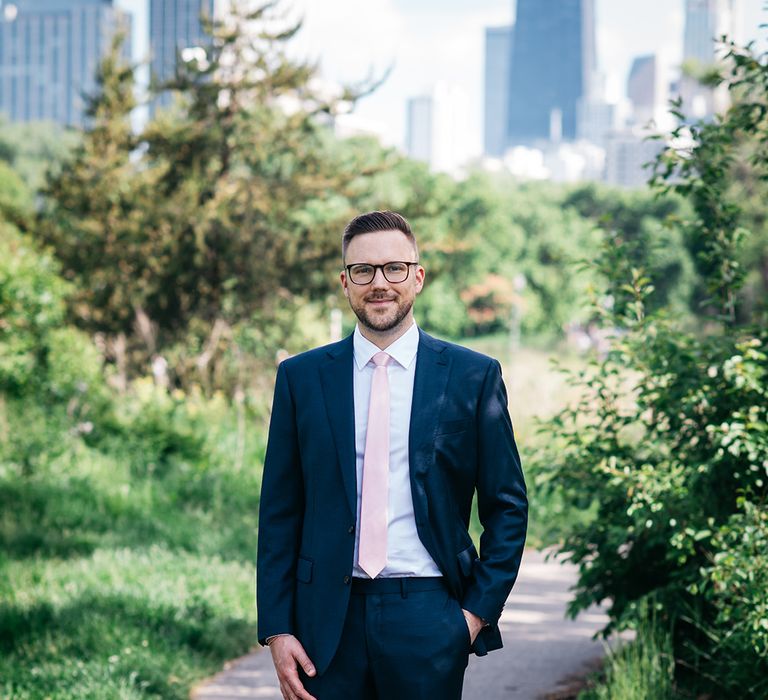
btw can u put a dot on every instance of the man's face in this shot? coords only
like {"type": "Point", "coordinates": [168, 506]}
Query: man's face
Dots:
{"type": "Point", "coordinates": [381, 305]}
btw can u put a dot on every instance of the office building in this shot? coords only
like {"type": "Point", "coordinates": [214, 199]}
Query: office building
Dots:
{"type": "Point", "coordinates": [419, 128]}
{"type": "Point", "coordinates": [706, 22]}
{"type": "Point", "coordinates": [552, 68]}
{"type": "Point", "coordinates": [498, 56]}
{"type": "Point", "coordinates": [49, 55]}
{"type": "Point", "coordinates": [437, 128]}
{"type": "Point", "coordinates": [628, 157]}
{"type": "Point", "coordinates": [175, 25]}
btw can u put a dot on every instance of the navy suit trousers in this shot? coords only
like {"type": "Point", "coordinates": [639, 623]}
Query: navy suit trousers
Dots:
{"type": "Point", "coordinates": [403, 639]}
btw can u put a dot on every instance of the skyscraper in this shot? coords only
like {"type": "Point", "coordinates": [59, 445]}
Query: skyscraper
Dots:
{"type": "Point", "coordinates": [175, 25]}
{"type": "Point", "coordinates": [553, 63]}
{"type": "Point", "coordinates": [419, 128]}
{"type": "Point", "coordinates": [498, 54]}
{"type": "Point", "coordinates": [49, 53]}
{"type": "Point", "coordinates": [437, 128]}
{"type": "Point", "coordinates": [706, 22]}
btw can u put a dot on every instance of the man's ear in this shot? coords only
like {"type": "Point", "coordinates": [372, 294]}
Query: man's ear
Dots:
{"type": "Point", "coordinates": [343, 278]}
{"type": "Point", "coordinates": [420, 274]}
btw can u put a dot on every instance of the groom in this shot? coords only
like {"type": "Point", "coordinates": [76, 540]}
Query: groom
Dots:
{"type": "Point", "coordinates": [368, 583]}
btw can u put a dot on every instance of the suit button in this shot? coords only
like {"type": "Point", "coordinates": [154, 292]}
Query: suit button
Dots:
{"type": "Point", "coordinates": [347, 579]}
{"type": "Point", "coordinates": [351, 529]}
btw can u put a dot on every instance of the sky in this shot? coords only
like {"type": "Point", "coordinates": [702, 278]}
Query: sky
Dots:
{"type": "Point", "coordinates": [425, 41]}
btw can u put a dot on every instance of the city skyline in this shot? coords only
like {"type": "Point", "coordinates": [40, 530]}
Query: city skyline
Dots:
{"type": "Point", "coordinates": [427, 41]}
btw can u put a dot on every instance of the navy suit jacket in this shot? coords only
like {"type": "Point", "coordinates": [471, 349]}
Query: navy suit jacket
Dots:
{"type": "Point", "coordinates": [460, 441]}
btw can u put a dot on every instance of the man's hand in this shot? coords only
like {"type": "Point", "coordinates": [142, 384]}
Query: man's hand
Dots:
{"type": "Point", "coordinates": [474, 623]}
{"type": "Point", "coordinates": [287, 652]}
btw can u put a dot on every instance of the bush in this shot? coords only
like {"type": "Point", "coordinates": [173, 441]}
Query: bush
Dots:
{"type": "Point", "coordinates": [736, 587]}
{"type": "Point", "coordinates": [31, 305]}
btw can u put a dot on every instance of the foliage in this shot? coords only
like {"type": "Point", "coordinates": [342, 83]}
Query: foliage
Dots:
{"type": "Point", "coordinates": [669, 441]}
{"type": "Point", "coordinates": [31, 306]}
{"type": "Point", "coordinates": [34, 149]}
{"type": "Point", "coordinates": [735, 583]}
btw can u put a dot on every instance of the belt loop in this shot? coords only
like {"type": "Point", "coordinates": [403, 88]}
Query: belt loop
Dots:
{"type": "Point", "coordinates": [403, 588]}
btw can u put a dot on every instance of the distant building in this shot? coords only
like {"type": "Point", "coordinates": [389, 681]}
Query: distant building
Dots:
{"type": "Point", "coordinates": [627, 154]}
{"type": "Point", "coordinates": [649, 88]}
{"type": "Point", "coordinates": [498, 56]}
{"type": "Point", "coordinates": [419, 128]}
{"type": "Point", "coordinates": [49, 54]}
{"type": "Point", "coordinates": [437, 128]}
{"type": "Point", "coordinates": [595, 120]}
{"type": "Point", "coordinates": [175, 25]}
{"type": "Point", "coordinates": [706, 22]}
{"type": "Point", "coordinates": [552, 68]}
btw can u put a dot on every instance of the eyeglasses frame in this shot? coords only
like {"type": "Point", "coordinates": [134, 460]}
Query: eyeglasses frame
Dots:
{"type": "Point", "coordinates": [380, 267]}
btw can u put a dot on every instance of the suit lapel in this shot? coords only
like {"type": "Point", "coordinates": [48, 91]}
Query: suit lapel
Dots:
{"type": "Point", "coordinates": [429, 386]}
{"type": "Point", "coordinates": [338, 393]}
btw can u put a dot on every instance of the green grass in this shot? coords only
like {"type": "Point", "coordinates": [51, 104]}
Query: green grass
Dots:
{"type": "Point", "coordinates": [639, 670]}
{"type": "Point", "coordinates": [118, 582]}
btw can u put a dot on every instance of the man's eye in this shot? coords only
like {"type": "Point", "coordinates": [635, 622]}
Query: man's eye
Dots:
{"type": "Point", "coordinates": [362, 269]}
{"type": "Point", "coordinates": [395, 268]}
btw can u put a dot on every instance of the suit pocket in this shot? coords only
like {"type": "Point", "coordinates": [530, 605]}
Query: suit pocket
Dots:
{"type": "Point", "coordinates": [304, 570]}
{"type": "Point", "coordinates": [449, 427]}
{"type": "Point", "coordinates": [467, 559]}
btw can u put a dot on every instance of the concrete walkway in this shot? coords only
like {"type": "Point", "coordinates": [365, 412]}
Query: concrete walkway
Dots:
{"type": "Point", "coordinates": [544, 654]}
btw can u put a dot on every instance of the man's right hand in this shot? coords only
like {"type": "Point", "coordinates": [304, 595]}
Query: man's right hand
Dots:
{"type": "Point", "coordinates": [287, 652]}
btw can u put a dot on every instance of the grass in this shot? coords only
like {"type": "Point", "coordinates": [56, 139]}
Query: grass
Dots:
{"type": "Point", "coordinates": [118, 582]}
{"type": "Point", "coordinates": [640, 670]}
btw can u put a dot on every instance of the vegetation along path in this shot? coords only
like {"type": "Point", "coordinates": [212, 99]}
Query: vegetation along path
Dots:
{"type": "Point", "coordinates": [543, 651]}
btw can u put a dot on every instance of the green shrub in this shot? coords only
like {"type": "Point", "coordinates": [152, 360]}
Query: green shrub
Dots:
{"type": "Point", "coordinates": [736, 586]}
{"type": "Point", "coordinates": [31, 305]}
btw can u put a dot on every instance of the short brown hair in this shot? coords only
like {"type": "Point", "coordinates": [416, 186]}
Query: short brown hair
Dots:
{"type": "Point", "coordinates": [373, 221]}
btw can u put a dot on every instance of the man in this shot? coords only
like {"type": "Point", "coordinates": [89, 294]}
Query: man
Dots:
{"type": "Point", "coordinates": [368, 584]}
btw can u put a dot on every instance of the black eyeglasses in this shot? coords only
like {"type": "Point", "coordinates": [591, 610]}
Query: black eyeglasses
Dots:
{"type": "Point", "coordinates": [394, 272]}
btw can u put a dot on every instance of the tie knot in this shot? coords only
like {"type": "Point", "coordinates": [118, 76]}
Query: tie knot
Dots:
{"type": "Point", "coordinates": [381, 359]}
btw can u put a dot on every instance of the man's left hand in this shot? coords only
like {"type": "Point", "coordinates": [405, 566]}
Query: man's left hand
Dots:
{"type": "Point", "coordinates": [474, 623]}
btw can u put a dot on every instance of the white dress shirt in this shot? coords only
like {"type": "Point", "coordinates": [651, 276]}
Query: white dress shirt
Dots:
{"type": "Point", "coordinates": [406, 555]}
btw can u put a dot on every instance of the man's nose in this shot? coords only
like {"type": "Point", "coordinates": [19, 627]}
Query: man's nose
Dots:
{"type": "Point", "coordinates": [379, 280]}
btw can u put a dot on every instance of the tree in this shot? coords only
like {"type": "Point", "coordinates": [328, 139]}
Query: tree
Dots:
{"type": "Point", "coordinates": [223, 214]}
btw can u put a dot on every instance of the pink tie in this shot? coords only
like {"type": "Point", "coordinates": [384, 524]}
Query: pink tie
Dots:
{"type": "Point", "coordinates": [372, 553]}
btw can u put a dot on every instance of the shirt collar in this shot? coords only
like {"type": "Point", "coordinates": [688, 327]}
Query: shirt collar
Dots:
{"type": "Point", "coordinates": [402, 351]}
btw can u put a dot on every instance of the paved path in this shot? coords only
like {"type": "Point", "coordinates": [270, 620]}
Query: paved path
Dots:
{"type": "Point", "coordinates": [543, 652]}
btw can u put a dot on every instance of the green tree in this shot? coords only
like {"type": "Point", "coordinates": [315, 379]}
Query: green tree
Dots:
{"type": "Point", "coordinates": [221, 217]}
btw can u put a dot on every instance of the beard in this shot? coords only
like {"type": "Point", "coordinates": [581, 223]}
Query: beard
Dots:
{"type": "Point", "coordinates": [382, 321]}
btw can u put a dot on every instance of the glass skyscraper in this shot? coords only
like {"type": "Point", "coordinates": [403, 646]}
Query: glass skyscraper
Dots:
{"type": "Point", "coordinates": [175, 25]}
{"type": "Point", "coordinates": [552, 68]}
{"type": "Point", "coordinates": [498, 54]}
{"type": "Point", "coordinates": [49, 53]}
{"type": "Point", "coordinates": [706, 21]}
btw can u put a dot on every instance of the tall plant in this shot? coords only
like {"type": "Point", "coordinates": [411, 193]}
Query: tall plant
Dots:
{"type": "Point", "coordinates": [670, 439]}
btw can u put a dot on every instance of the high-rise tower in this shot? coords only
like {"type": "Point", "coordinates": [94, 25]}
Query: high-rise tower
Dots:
{"type": "Point", "coordinates": [498, 54]}
{"type": "Point", "coordinates": [552, 68]}
{"type": "Point", "coordinates": [175, 25]}
{"type": "Point", "coordinates": [49, 53]}
{"type": "Point", "coordinates": [706, 22]}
